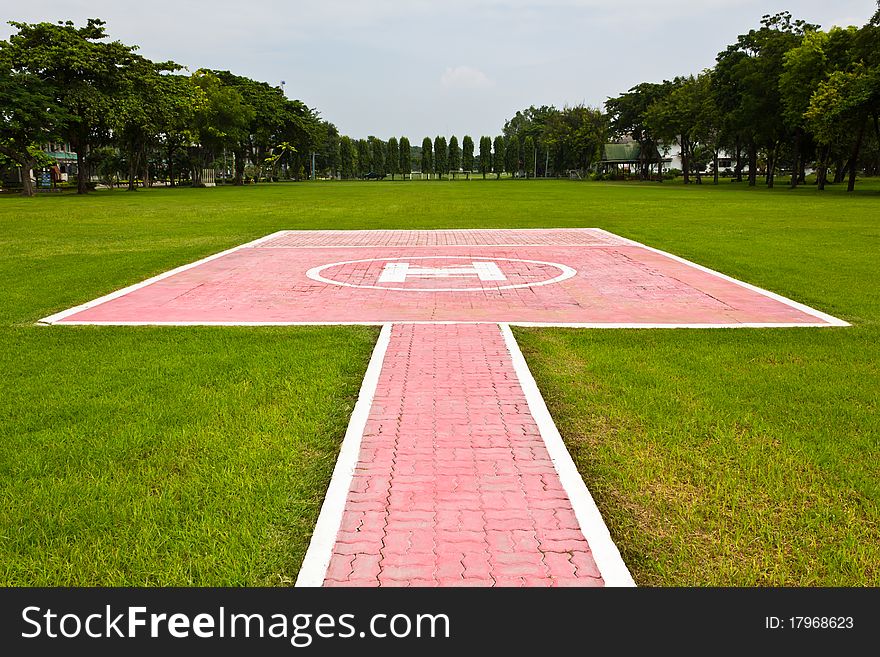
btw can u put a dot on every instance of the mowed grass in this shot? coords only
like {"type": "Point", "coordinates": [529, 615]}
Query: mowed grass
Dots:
{"type": "Point", "coordinates": [144, 456]}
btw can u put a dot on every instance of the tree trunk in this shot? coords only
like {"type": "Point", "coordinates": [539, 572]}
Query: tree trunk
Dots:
{"type": "Point", "coordinates": [171, 167]}
{"type": "Point", "coordinates": [877, 135]}
{"type": "Point", "coordinates": [822, 173]}
{"type": "Point", "coordinates": [715, 166]}
{"type": "Point", "coordinates": [840, 170]}
{"type": "Point", "coordinates": [27, 185]}
{"type": "Point", "coordinates": [796, 150]}
{"type": "Point", "coordinates": [685, 161]}
{"type": "Point", "coordinates": [132, 170]}
{"type": "Point", "coordinates": [771, 167]}
{"type": "Point", "coordinates": [753, 163]}
{"type": "Point", "coordinates": [854, 159]}
{"type": "Point", "coordinates": [738, 171]}
{"type": "Point", "coordinates": [82, 171]}
{"type": "Point", "coordinates": [148, 182]}
{"type": "Point", "coordinates": [238, 165]}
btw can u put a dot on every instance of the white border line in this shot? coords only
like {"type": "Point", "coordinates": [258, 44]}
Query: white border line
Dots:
{"type": "Point", "coordinates": [605, 552]}
{"type": "Point", "coordinates": [382, 322]}
{"type": "Point", "coordinates": [833, 321]}
{"type": "Point", "coordinates": [51, 319]}
{"type": "Point", "coordinates": [320, 551]}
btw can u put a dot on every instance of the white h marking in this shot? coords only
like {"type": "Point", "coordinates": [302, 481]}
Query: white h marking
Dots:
{"type": "Point", "coordinates": [398, 272]}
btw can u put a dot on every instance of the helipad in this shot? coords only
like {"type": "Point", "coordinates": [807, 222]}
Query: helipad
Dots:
{"type": "Point", "coordinates": [452, 472]}
{"type": "Point", "coordinates": [585, 277]}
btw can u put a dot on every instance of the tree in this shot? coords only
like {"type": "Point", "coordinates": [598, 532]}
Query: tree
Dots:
{"type": "Point", "coordinates": [393, 163]}
{"type": "Point", "coordinates": [30, 115]}
{"type": "Point", "coordinates": [575, 137]}
{"type": "Point", "coordinates": [532, 122]}
{"type": "Point", "coordinates": [140, 112]}
{"type": "Point", "coordinates": [405, 157]}
{"type": "Point", "coordinates": [748, 86]}
{"type": "Point", "coordinates": [805, 67]}
{"type": "Point", "coordinates": [530, 155]}
{"type": "Point", "coordinates": [427, 157]}
{"type": "Point", "coordinates": [364, 158]}
{"type": "Point", "coordinates": [485, 155]}
{"type": "Point", "coordinates": [220, 123]}
{"type": "Point", "coordinates": [467, 153]}
{"type": "Point", "coordinates": [181, 100]}
{"type": "Point", "coordinates": [84, 73]}
{"type": "Point", "coordinates": [348, 157]}
{"type": "Point", "coordinates": [498, 151]}
{"type": "Point", "coordinates": [454, 155]}
{"type": "Point", "coordinates": [627, 114]}
{"type": "Point", "coordinates": [377, 155]}
{"type": "Point", "coordinates": [441, 159]}
{"type": "Point", "coordinates": [512, 155]}
{"type": "Point", "coordinates": [840, 108]}
{"type": "Point", "coordinates": [272, 119]}
{"type": "Point", "coordinates": [688, 115]}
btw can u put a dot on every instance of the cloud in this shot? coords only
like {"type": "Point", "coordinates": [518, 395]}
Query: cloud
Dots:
{"type": "Point", "coordinates": [464, 77]}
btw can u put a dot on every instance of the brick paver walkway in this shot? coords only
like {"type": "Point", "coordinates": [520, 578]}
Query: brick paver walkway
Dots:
{"type": "Point", "coordinates": [454, 486]}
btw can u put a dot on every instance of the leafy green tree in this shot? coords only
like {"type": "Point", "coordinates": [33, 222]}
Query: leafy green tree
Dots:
{"type": "Point", "coordinates": [840, 109]}
{"type": "Point", "coordinates": [575, 137]}
{"type": "Point", "coordinates": [805, 67]}
{"type": "Point", "coordinates": [377, 155]}
{"type": "Point", "coordinates": [348, 157]}
{"type": "Point", "coordinates": [29, 115]}
{"type": "Point", "coordinates": [748, 87]}
{"type": "Point", "coordinates": [688, 115]}
{"type": "Point", "coordinates": [364, 157]}
{"type": "Point", "coordinates": [628, 113]}
{"type": "Point", "coordinates": [427, 157]}
{"type": "Point", "coordinates": [441, 157]}
{"type": "Point", "coordinates": [220, 123]}
{"type": "Point", "coordinates": [512, 155]}
{"type": "Point", "coordinates": [467, 153]}
{"type": "Point", "coordinates": [405, 157]}
{"type": "Point", "coordinates": [84, 73]}
{"type": "Point", "coordinates": [181, 100]}
{"type": "Point", "coordinates": [327, 148]}
{"type": "Point", "coordinates": [530, 155]}
{"type": "Point", "coordinates": [393, 164]}
{"type": "Point", "coordinates": [485, 155]}
{"type": "Point", "coordinates": [498, 151]}
{"type": "Point", "coordinates": [454, 155]}
{"type": "Point", "coordinates": [272, 119]}
{"type": "Point", "coordinates": [140, 112]}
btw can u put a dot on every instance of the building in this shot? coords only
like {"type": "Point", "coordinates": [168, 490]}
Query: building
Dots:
{"type": "Point", "coordinates": [64, 157]}
{"type": "Point", "coordinates": [626, 158]}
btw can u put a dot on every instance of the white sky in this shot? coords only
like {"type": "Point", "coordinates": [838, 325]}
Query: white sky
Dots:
{"type": "Point", "coordinates": [420, 68]}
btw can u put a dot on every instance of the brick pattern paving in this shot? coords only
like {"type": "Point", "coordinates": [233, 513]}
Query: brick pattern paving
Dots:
{"type": "Point", "coordinates": [454, 486]}
{"type": "Point", "coordinates": [613, 284]}
{"type": "Point", "coordinates": [479, 237]}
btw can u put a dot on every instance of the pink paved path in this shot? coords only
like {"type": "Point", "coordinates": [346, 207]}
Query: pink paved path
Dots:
{"type": "Point", "coordinates": [454, 486]}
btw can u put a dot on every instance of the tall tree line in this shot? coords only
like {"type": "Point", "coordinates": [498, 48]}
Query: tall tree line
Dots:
{"type": "Point", "coordinates": [124, 114]}
{"type": "Point", "coordinates": [786, 96]}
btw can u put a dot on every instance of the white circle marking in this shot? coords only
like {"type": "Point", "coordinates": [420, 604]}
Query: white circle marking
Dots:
{"type": "Point", "coordinates": [567, 272]}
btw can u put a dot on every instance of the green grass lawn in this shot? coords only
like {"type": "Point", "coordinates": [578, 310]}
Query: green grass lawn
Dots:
{"type": "Point", "coordinates": [141, 456]}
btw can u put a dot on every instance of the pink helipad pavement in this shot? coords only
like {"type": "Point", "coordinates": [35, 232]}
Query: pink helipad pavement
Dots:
{"type": "Point", "coordinates": [559, 276]}
{"type": "Point", "coordinates": [452, 472]}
